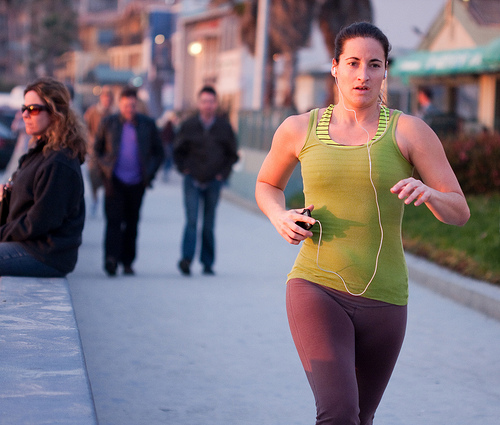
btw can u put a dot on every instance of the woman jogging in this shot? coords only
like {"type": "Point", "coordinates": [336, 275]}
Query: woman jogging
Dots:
{"type": "Point", "coordinates": [348, 289]}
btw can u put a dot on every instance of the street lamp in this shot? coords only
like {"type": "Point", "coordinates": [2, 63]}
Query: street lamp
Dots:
{"type": "Point", "coordinates": [195, 48]}
{"type": "Point", "coordinates": [260, 54]}
{"type": "Point", "coordinates": [160, 39]}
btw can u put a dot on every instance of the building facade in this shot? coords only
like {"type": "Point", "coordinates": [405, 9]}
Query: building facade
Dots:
{"type": "Point", "coordinates": [208, 51]}
{"type": "Point", "coordinates": [459, 59]}
{"type": "Point", "coordinates": [123, 42]}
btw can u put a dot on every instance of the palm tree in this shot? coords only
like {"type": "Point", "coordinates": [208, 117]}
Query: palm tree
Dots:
{"type": "Point", "coordinates": [290, 28]}
{"type": "Point", "coordinates": [289, 31]}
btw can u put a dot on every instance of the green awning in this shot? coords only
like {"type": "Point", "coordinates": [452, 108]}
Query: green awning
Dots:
{"type": "Point", "coordinates": [448, 62]}
{"type": "Point", "coordinates": [104, 74]}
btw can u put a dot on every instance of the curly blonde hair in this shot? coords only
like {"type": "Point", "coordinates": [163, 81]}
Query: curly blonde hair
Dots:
{"type": "Point", "coordinates": [66, 130]}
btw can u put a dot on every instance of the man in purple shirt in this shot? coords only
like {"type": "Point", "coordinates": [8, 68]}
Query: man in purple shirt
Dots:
{"type": "Point", "coordinates": [128, 152]}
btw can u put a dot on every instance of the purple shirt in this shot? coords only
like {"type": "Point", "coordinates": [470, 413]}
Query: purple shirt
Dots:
{"type": "Point", "coordinates": [128, 167]}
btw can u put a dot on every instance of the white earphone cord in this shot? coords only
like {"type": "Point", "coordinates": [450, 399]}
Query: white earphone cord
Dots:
{"type": "Point", "coordinates": [368, 148]}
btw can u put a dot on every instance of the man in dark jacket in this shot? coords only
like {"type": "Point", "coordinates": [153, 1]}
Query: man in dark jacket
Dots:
{"type": "Point", "coordinates": [204, 151]}
{"type": "Point", "coordinates": [128, 152]}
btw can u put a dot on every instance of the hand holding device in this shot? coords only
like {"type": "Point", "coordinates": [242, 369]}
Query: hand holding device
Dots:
{"type": "Point", "coordinates": [304, 224]}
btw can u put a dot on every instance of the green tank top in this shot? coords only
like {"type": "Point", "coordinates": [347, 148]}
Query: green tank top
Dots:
{"type": "Point", "coordinates": [337, 182]}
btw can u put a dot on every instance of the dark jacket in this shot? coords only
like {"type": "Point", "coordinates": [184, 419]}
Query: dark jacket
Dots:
{"type": "Point", "coordinates": [47, 207]}
{"type": "Point", "coordinates": [107, 145]}
{"type": "Point", "coordinates": [204, 154]}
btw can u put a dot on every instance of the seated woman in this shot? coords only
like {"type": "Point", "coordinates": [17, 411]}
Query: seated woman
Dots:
{"type": "Point", "coordinates": [44, 226]}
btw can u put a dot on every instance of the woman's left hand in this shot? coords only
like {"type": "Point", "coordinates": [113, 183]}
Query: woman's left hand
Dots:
{"type": "Point", "coordinates": [413, 190]}
{"type": "Point", "coordinates": [439, 188]}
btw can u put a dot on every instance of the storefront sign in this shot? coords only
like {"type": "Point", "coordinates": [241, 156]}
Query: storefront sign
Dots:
{"type": "Point", "coordinates": [463, 61]}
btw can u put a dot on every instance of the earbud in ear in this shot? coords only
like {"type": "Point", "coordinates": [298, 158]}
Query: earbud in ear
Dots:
{"type": "Point", "coordinates": [385, 74]}
{"type": "Point", "coordinates": [334, 72]}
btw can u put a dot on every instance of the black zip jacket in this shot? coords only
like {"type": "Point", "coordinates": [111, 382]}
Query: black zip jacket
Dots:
{"type": "Point", "coordinates": [47, 207]}
{"type": "Point", "coordinates": [205, 154]}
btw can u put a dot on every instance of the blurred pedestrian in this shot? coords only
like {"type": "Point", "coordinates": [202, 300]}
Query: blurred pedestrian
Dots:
{"type": "Point", "coordinates": [128, 152]}
{"type": "Point", "coordinates": [167, 126]}
{"type": "Point", "coordinates": [47, 209]}
{"type": "Point", "coordinates": [444, 124]}
{"type": "Point", "coordinates": [427, 110]}
{"type": "Point", "coordinates": [204, 152]}
{"type": "Point", "coordinates": [93, 116]}
{"type": "Point", "coordinates": [348, 289]}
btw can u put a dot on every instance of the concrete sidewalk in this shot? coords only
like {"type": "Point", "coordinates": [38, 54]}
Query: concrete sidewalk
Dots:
{"type": "Point", "coordinates": [166, 349]}
{"type": "Point", "coordinates": [43, 378]}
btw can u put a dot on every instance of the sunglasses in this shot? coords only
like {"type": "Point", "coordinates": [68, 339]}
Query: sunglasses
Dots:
{"type": "Point", "coordinates": [34, 109]}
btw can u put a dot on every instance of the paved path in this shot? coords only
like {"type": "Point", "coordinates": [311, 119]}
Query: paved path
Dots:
{"type": "Point", "coordinates": [166, 349]}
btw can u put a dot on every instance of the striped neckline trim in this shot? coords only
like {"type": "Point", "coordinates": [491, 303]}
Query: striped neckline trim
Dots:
{"type": "Point", "coordinates": [324, 123]}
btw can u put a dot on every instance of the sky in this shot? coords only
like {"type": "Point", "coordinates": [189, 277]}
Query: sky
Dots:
{"type": "Point", "coordinates": [396, 18]}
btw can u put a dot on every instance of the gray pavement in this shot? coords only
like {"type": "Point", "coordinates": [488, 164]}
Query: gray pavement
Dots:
{"type": "Point", "coordinates": [162, 348]}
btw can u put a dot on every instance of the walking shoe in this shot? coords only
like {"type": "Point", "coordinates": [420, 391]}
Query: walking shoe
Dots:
{"type": "Point", "coordinates": [110, 266]}
{"type": "Point", "coordinates": [207, 270]}
{"type": "Point", "coordinates": [128, 270]}
{"type": "Point", "coordinates": [184, 267]}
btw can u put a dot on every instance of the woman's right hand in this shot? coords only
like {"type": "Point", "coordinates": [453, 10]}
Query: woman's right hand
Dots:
{"type": "Point", "coordinates": [274, 174]}
{"type": "Point", "coordinates": [285, 224]}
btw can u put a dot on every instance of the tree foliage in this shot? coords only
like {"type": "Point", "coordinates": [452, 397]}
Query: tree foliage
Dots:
{"type": "Point", "coordinates": [290, 24]}
{"type": "Point", "coordinates": [335, 14]}
{"type": "Point", "coordinates": [290, 29]}
{"type": "Point", "coordinates": [53, 30]}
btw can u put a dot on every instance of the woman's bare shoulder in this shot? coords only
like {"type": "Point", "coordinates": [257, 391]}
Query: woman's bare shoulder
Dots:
{"type": "Point", "coordinates": [408, 124]}
{"type": "Point", "coordinates": [296, 122]}
{"type": "Point", "coordinates": [413, 134]}
{"type": "Point", "coordinates": [292, 129]}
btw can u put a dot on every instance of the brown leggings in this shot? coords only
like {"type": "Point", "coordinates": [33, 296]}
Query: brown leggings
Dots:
{"type": "Point", "coordinates": [348, 346]}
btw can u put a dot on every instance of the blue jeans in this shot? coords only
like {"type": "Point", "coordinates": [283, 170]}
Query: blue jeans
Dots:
{"type": "Point", "coordinates": [208, 193]}
{"type": "Point", "coordinates": [16, 261]}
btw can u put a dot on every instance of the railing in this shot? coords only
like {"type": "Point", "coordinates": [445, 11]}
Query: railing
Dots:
{"type": "Point", "coordinates": [255, 134]}
{"type": "Point", "coordinates": [256, 128]}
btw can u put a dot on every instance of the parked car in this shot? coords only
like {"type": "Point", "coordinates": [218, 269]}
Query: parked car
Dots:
{"type": "Point", "coordinates": [7, 115]}
{"type": "Point", "coordinates": [7, 144]}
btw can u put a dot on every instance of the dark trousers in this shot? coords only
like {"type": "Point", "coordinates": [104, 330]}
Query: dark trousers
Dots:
{"type": "Point", "coordinates": [348, 346]}
{"type": "Point", "coordinates": [208, 193]}
{"type": "Point", "coordinates": [122, 206]}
